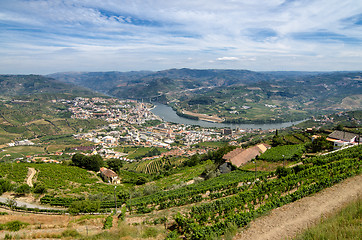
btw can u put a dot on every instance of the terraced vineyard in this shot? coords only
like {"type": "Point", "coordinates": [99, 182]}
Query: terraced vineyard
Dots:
{"type": "Point", "coordinates": [280, 153]}
{"type": "Point", "coordinates": [209, 208]}
{"type": "Point", "coordinates": [57, 179]}
{"type": "Point", "coordinates": [152, 166]}
{"type": "Point", "coordinates": [214, 218]}
{"type": "Point", "coordinates": [224, 185]}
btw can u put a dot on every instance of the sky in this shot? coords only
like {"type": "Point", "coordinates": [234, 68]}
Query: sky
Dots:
{"type": "Point", "coordinates": [48, 36]}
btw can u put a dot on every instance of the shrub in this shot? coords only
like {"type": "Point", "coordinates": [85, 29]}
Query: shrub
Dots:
{"type": "Point", "coordinates": [85, 206]}
{"type": "Point", "coordinates": [5, 186]}
{"type": "Point", "coordinates": [71, 233]}
{"type": "Point", "coordinates": [23, 189]}
{"type": "Point", "coordinates": [13, 225]}
{"type": "Point", "coordinates": [282, 172]}
{"type": "Point", "coordinates": [150, 232]}
{"type": "Point", "coordinates": [108, 223]}
{"type": "Point", "coordinates": [40, 189]}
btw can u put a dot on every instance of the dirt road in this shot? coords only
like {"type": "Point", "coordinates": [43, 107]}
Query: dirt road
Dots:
{"type": "Point", "coordinates": [31, 173]}
{"type": "Point", "coordinates": [285, 222]}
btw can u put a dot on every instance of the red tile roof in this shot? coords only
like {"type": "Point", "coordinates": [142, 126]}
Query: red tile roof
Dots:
{"type": "Point", "coordinates": [240, 156]}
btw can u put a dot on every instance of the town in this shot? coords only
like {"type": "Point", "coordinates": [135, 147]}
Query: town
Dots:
{"type": "Point", "coordinates": [130, 123]}
{"type": "Point", "coordinates": [133, 123]}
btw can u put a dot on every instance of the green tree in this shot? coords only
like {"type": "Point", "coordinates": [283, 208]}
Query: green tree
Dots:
{"type": "Point", "coordinates": [94, 162]}
{"type": "Point", "coordinates": [5, 186]}
{"type": "Point", "coordinates": [319, 144]}
{"type": "Point", "coordinates": [23, 189]}
{"type": "Point", "coordinates": [282, 172]}
{"type": "Point", "coordinates": [78, 159]}
{"type": "Point", "coordinates": [114, 164]}
{"type": "Point", "coordinates": [141, 180]}
{"type": "Point", "coordinates": [39, 189]}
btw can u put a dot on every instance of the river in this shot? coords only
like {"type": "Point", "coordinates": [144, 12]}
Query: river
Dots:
{"type": "Point", "coordinates": [169, 115]}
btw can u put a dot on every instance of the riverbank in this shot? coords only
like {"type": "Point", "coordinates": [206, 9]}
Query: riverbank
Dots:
{"type": "Point", "coordinates": [169, 115]}
{"type": "Point", "coordinates": [204, 117]}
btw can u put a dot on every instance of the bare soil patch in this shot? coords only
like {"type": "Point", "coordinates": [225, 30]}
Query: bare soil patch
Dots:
{"type": "Point", "coordinates": [42, 225]}
{"type": "Point", "coordinates": [31, 173]}
{"type": "Point", "coordinates": [289, 220]}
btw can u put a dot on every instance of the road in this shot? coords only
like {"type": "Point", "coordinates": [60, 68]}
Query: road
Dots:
{"type": "Point", "coordinates": [31, 173]}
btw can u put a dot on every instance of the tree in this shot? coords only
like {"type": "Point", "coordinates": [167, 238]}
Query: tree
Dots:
{"type": "Point", "coordinates": [340, 127]}
{"type": "Point", "coordinates": [94, 162]}
{"type": "Point", "coordinates": [278, 141]}
{"type": "Point", "coordinates": [141, 180]}
{"type": "Point", "coordinates": [114, 164]}
{"type": "Point", "coordinates": [319, 144]}
{"type": "Point", "coordinates": [5, 186]}
{"type": "Point", "coordinates": [123, 195]}
{"type": "Point", "coordinates": [39, 189]}
{"type": "Point", "coordinates": [78, 159]}
{"type": "Point", "coordinates": [193, 161]}
{"type": "Point", "coordinates": [23, 189]}
{"type": "Point", "coordinates": [11, 203]}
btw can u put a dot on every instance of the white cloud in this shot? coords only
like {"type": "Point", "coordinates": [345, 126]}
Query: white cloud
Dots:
{"type": "Point", "coordinates": [228, 59]}
{"type": "Point", "coordinates": [138, 31]}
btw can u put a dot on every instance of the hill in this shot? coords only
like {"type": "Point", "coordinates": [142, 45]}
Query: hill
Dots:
{"type": "Point", "coordinates": [237, 96]}
{"type": "Point", "coordinates": [279, 99]}
{"type": "Point", "coordinates": [16, 85]}
{"type": "Point", "coordinates": [145, 84]}
{"type": "Point", "coordinates": [99, 81]}
{"type": "Point", "coordinates": [27, 109]}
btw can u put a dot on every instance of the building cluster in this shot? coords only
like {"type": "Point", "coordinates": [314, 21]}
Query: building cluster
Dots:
{"type": "Point", "coordinates": [109, 109]}
{"type": "Point", "coordinates": [24, 142]}
{"type": "Point", "coordinates": [127, 125]}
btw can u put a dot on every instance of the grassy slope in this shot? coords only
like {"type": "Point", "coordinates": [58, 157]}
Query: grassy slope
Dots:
{"type": "Point", "coordinates": [346, 224]}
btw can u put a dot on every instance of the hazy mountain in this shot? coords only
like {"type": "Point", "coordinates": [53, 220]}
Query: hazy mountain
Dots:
{"type": "Point", "coordinates": [99, 81]}
{"type": "Point", "coordinates": [297, 90]}
{"type": "Point", "coordinates": [12, 85]}
{"type": "Point", "coordinates": [147, 84]}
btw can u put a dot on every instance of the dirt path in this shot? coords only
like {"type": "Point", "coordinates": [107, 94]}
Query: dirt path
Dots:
{"type": "Point", "coordinates": [285, 222]}
{"type": "Point", "coordinates": [31, 173]}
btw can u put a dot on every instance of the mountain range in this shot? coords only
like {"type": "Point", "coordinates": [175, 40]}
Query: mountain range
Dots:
{"type": "Point", "coordinates": [28, 85]}
{"type": "Point", "coordinates": [233, 95]}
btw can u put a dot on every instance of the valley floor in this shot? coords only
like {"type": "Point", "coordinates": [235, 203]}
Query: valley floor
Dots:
{"type": "Point", "coordinates": [289, 220]}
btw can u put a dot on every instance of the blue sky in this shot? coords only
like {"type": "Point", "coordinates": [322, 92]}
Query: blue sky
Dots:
{"type": "Point", "coordinates": [47, 36]}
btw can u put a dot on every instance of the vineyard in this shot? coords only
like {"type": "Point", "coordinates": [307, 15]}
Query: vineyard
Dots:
{"type": "Point", "coordinates": [152, 166]}
{"type": "Point", "coordinates": [280, 153]}
{"type": "Point", "coordinates": [57, 179]}
{"type": "Point", "coordinates": [213, 218]}
{"type": "Point", "coordinates": [222, 186]}
{"type": "Point", "coordinates": [208, 207]}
